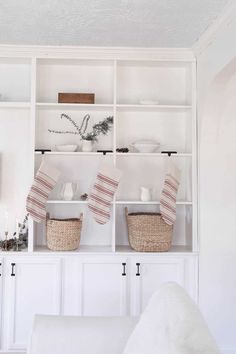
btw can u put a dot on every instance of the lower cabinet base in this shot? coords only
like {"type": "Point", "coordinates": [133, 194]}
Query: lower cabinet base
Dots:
{"type": "Point", "coordinates": [84, 285]}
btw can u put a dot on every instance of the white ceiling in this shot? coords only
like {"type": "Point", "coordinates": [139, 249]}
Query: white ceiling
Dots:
{"type": "Point", "coordinates": [140, 23]}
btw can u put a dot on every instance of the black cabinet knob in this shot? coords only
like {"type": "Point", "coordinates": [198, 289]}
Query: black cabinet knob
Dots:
{"type": "Point", "coordinates": [138, 270]}
{"type": "Point", "coordinates": [13, 269]}
{"type": "Point", "coordinates": [124, 269]}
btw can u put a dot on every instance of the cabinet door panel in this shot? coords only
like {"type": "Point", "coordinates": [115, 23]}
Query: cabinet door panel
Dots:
{"type": "Point", "coordinates": [35, 289]}
{"type": "Point", "coordinates": [103, 288]}
{"type": "Point", "coordinates": [153, 273]}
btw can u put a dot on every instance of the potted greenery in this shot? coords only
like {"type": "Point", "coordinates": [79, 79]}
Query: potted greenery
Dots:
{"type": "Point", "coordinates": [88, 138]}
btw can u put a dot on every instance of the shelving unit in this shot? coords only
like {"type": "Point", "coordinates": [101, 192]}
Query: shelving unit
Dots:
{"type": "Point", "coordinates": [31, 78]}
{"type": "Point", "coordinates": [119, 83]}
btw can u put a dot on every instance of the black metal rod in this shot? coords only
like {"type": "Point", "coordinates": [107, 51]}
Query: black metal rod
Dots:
{"type": "Point", "coordinates": [104, 152]}
{"type": "Point", "coordinates": [169, 153]}
{"type": "Point", "coordinates": [138, 270]}
{"type": "Point", "coordinates": [124, 271]}
{"type": "Point", "coordinates": [13, 274]}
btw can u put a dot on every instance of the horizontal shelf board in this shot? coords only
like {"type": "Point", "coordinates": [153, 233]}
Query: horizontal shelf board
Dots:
{"type": "Point", "coordinates": [138, 202]}
{"type": "Point", "coordinates": [85, 60]}
{"type": "Point", "coordinates": [118, 202]}
{"type": "Point", "coordinates": [174, 249]}
{"type": "Point", "coordinates": [129, 154]}
{"type": "Point", "coordinates": [7, 253]}
{"type": "Point", "coordinates": [163, 61]}
{"type": "Point", "coordinates": [14, 104]}
{"type": "Point", "coordinates": [95, 250]}
{"type": "Point", "coordinates": [158, 154]}
{"type": "Point", "coordinates": [81, 249]}
{"type": "Point", "coordinates": [76, 153]}
{"type": "Point", "coordinates": [67, 202]}
{"type": "Point", "coordinates": [119, 107]}
{"type": "Point", "coordinates": [73, 105]}
{"type": "Point", "coordinates": [142, 107]}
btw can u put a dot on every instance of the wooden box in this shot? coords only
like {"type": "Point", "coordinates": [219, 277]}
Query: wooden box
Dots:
{"type": "Point", "coordinates": [66, 97]}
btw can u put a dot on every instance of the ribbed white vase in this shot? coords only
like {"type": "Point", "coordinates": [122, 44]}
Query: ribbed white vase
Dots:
{"type": "Point", "coordinates": [87, 145]}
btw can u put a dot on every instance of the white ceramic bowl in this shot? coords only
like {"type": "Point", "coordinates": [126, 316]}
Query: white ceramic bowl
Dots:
{"type": "Point", "coordinates": [146, 146]}
{"type": "Point", "coordinates": [66, 148]}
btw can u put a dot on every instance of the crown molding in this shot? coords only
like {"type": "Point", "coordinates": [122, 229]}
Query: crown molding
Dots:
{"type": "Point", "coordinates": [71, 52]}
{"type": "Point", "coordinates": [220, 22]}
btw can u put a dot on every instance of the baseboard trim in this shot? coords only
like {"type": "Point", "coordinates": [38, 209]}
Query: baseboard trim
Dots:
{"type": "Point", "coordinates": [222, 350]}
{"type": "Point", "coordinates": [10, 352]}
{"type": "Point", "coordinates": [228, 350]}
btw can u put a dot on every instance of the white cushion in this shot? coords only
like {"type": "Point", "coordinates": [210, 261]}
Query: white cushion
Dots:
{"type": "Point", "coordinates": [80, 335]}
{"type": "Point", "coordinates": [171, 324]}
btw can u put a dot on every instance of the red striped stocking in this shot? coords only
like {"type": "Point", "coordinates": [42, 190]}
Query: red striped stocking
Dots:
{"type": "Point", "coordinates": [169, 195]}
{"type": "Point", "coordinates": [102, 194]}
{"type": "Point", "coordinates": [44, 182]}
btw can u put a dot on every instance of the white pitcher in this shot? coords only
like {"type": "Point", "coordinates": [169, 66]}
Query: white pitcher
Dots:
{"type": "Point", "coordinates": [145, 194]}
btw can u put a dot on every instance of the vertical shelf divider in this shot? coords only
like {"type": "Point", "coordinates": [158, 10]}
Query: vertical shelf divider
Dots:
{"type": "Point", "coordinates": [114, 151]}
{"type": "Point", "coordinates": [194, 162]}
{"type": "Point", "coordinates": [32, 143]}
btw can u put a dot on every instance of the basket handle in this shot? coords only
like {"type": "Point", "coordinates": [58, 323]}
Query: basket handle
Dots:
{"type": "Point", "coordinates": [47, 216]}
{"type": "Point", "coordinates": [81, 216]}
{"type": "Point", "coordinates": [126, 211]}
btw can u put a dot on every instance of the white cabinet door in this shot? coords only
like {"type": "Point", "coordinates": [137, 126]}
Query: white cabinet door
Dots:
{"type": "Point", "coordinates": [103, 286]}
{"type": "Point", "coordinates": [33, 286]}
{"type": "Point", "coordinates": [148, 273]}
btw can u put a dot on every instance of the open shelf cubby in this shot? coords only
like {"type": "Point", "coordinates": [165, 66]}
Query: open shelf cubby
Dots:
{"type": "Point", "coordinates": [73, 75]}
{"type": "Point", "coordinates": [15, 83]}
{"type": "Point", "coordinates": [163, 82]}
{"type": "Point", "coordinates": [182, 234]}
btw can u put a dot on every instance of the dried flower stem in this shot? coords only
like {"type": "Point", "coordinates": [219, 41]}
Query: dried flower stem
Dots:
{"type": "Point", "coordinates": [103, 127]}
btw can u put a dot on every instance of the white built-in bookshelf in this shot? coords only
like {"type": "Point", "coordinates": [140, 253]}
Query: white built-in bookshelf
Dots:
{"type": "Point", "coordinates": [119, 83]}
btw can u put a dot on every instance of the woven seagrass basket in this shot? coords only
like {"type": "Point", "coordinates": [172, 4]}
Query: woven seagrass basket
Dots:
{"type": "Point", "coordinates": [148, 232]}
{"type": "Point", "coordinates": [63, 234]}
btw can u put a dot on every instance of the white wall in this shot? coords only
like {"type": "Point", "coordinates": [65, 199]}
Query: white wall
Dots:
{"type": "Point", "coordinates": [217, 138]}
{"type": "Point", "coordinates": [14, 164]}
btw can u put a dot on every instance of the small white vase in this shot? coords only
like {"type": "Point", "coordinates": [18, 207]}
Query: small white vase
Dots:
{"type": "Point", "coordinates": [87, 145]}
{"type": "Point", "coordinates": [145, 194]}
{"type": "Point", "coordinates": [67, 191]}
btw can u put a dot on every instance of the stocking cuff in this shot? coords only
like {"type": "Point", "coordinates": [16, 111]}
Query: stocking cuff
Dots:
{"type": "Point", "coordinates": [50, 171]}
{"type": "Point", "coordinates": [110, 171]}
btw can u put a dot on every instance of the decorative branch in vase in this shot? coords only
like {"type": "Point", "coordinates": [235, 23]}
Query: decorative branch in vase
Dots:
{"type": "Point", "coordinates": [88, 138]}
{"type": "Point", "coordinates": [19, 239]}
